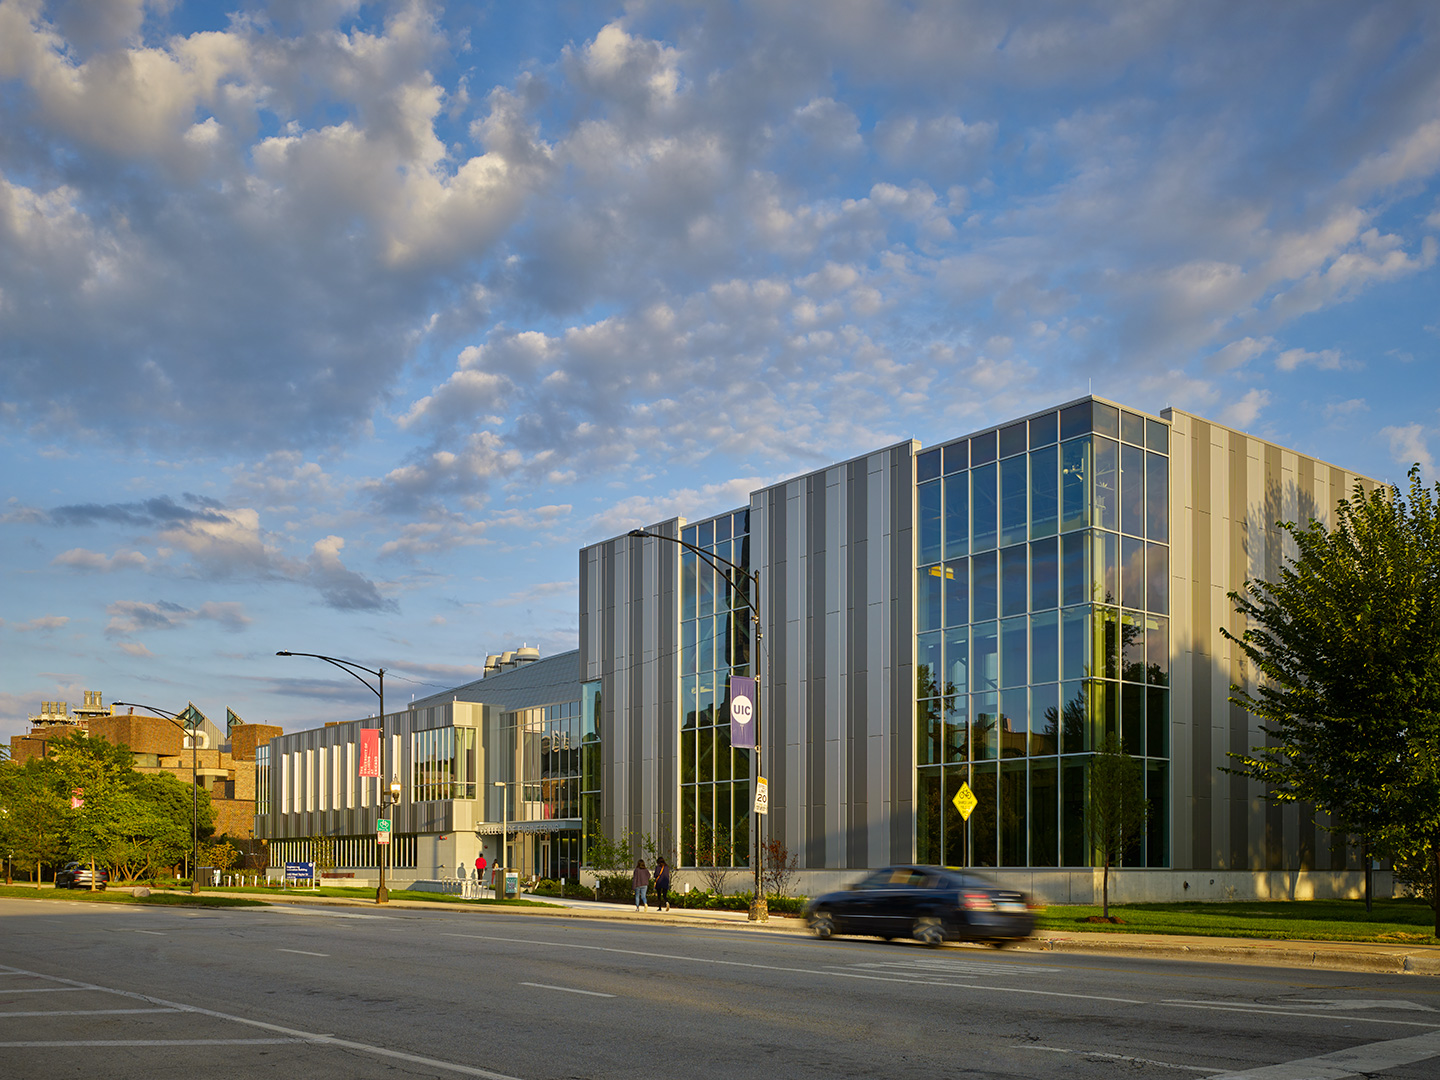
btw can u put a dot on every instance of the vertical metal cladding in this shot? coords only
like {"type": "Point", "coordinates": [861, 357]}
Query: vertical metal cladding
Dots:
{"type": "Point", "coordinates": [836, 561]}
{"type": "Point", "coordinates": [628, 641]}
{"type": "Point", "coordinates": [1232, 489]}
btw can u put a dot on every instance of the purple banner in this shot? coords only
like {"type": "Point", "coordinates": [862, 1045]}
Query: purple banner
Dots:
{"type": "Point", "coordinates": [742, 712]}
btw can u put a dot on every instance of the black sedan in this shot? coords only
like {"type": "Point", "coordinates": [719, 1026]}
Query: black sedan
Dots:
{"type": "Point", "coordinates": [76, 875]}
{"type": "Point", "coordinates": [932, 904]}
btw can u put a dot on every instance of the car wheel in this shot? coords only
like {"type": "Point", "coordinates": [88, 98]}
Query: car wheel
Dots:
{"type": "Point", "coordinates": [822, 925]}
{"type": "Point", "coordinates": [928, 931]}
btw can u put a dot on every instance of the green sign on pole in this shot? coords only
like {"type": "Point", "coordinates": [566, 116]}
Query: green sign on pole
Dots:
{"type": "Point", "coordinates": [382, 831]}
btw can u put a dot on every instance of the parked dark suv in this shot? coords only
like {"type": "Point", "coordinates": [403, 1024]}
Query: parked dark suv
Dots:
{"type": "Point", "coordinates": [77, 876]}
{"type": "Point", "coordinates": [932, 904]}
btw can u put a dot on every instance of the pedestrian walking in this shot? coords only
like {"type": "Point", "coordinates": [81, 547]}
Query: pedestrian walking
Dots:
{"type": "Point", "coordinates": [662, 885]}
{"type": "Point", "coordinates": [641, 880]}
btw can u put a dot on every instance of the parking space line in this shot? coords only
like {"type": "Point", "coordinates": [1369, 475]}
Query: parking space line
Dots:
{"type": "Point", "coordinates": [302, 952]}
{"type": "Point", "coordinates": [288, 1034]}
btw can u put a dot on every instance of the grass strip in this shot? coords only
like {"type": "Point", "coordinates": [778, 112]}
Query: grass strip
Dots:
{"type": "Point", "coordinates": [1392, 922]}
{"type": "Point", "coordinates": [121, 895]}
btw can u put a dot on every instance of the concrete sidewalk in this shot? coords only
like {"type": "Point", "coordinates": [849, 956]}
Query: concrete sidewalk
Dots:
{"type": "Point", "coordinates": [1331, 955]}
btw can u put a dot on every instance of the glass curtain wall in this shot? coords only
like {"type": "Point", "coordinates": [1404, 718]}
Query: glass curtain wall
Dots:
{"type": "Point", "coordinates": [715, 620]}
{"type": "Point", "coordinates": [558, 857]}
{"type": "Point", "coordinates": [1042, 604]}
{"type": "Point", "coordinates": [590, 713]}
{"type": "Point", "coordinates": [443, 762]}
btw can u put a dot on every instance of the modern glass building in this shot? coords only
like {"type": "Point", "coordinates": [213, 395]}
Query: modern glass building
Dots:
{"type": "Point", "coordinates": [983, 612]}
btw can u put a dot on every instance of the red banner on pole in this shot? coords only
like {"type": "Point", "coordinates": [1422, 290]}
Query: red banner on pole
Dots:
{"type": "Point", "coordinates": [369, 751]}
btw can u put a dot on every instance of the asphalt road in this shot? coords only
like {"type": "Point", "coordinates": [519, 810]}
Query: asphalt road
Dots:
{"type": "Point", "coordinates": [119, 992]}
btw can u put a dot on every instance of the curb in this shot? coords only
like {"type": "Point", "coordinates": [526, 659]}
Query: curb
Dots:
{"type": "Point", "coordinates": [1278, 954]}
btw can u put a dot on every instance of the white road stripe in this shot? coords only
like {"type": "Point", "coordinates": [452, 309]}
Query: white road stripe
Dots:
{"type": "Point", "coordinates": [1263, 1010]}
{"type": "Point", "coordinates": [567, 989]}
{"type": "Point", "coordinates": [911, 981]}
{"type": "Point", "coordinates": [1356, 1061]}
{"type": "Point", "coordinates": [302, 952]}
{"type": "Point", "coordinates": [1118, 1057]}
{"type": "Point", "coordinates": [294, 1034]}
{"type": "Point", "coordinates": [88, 1012]}
{"type": "Point", "coordinates": [151, 1042]}
{"type": "Point", "coordinates": [47, 989]}
{"type": "Point", "coordinates": [157, 933]}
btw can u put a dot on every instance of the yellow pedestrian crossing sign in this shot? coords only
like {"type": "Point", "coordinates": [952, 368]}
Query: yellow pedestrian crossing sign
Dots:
{"type": "Point", "coordinates": [965, 801]}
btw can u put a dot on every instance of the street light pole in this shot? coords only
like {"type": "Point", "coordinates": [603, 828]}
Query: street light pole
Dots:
{"type": "Point", "coordinates": [504, 832]}
{"type": "Point", "coordinates": [382, 895]}
{"type": "Point", "coordinates": [759, 909]}
{"type": "Point", "coordinates": [194, 731]}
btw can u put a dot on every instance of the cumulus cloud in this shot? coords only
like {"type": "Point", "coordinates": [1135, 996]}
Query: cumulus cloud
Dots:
{"type": "Point", "coordinates": [340, 587]}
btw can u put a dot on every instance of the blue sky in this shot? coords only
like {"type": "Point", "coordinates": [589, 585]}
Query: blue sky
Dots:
{"type": "Point", "coordinates": [340, 328]}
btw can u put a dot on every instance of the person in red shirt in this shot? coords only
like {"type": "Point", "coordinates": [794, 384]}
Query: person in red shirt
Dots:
{"type": "Point", "coordinates": [480, 867]}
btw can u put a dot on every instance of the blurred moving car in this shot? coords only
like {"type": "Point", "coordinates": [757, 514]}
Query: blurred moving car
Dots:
{"type": "Point", "coordinates": [77, 876]}
{"type": "Point", "coordinates": [932, 904]}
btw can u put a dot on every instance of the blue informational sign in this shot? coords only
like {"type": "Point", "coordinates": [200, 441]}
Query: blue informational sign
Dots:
{"type": "Point", "coordinates": [299, 871]}
{"type": "Point", "coordinates": [742, 712]}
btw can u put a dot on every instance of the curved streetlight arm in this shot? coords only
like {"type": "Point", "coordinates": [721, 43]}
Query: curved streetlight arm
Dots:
{"type": "Point", "coordinates": [350, 667]}
{"type": "Point", "coordinates": [714, 561]}
{"type": "Point", "coordinates": [347, 666]}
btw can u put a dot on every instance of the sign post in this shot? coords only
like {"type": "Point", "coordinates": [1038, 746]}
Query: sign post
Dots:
{"type": "Point", "coordinates": [762, 795]}
{"type": "Point", "coordinates": [382, 831]}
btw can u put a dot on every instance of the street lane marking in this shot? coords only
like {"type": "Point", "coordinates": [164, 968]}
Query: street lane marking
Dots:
{"type": "Point", "coordinates": [293, 1034]}
{"type": "Point", "coordinates": [302, 952]}
{"type": "Point", "coordinates": [1356, 1061]}
{"type": "Point", "coordinates": [1265, 1010]}
{"type": "Point", "coordinates": [567, 989]}
{"type": "Point", "coordinates": [47, 989]}
{"type": "Point", "coordinates": [151, 1042]}
{"type": "Point", "coordinates": [157, 933]}
{"type": "Point", "coordinates": [1355, 1003]}
{"type": "Point", "coordinates": [87, 1012]}
{"type": "Point", "coordinates": [1118, 1057]}
{"type": "Point", "coordinates": [831, 972]}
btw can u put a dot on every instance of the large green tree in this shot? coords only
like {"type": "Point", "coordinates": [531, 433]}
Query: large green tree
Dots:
{"type": "Point", "coordinates": [132, 823]}
{"type": "Point", "coordinates": [1346, 646]}
{"type": "Point", "coordinates": [34, 800]}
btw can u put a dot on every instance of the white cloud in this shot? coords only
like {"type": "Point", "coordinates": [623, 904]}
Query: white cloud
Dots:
{"type": "Point", "coordinates": [1244, 412]}
{"type": "Point", "coordinates": [128, 617]}
{"type": "Point", "coordinates": [1410, 443]}
{"type": "Point", "coordinates": [41, 624]}
{"type": "Point", "coordinates": [99, 562]}
{"type": "Point", "coordinates": [1325, 360]}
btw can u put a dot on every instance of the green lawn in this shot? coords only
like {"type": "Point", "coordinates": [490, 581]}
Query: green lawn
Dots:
{"type": "Point", "coordinates": [121, 895]}
{"type": "Point", "coordinates": [1393, 922]}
